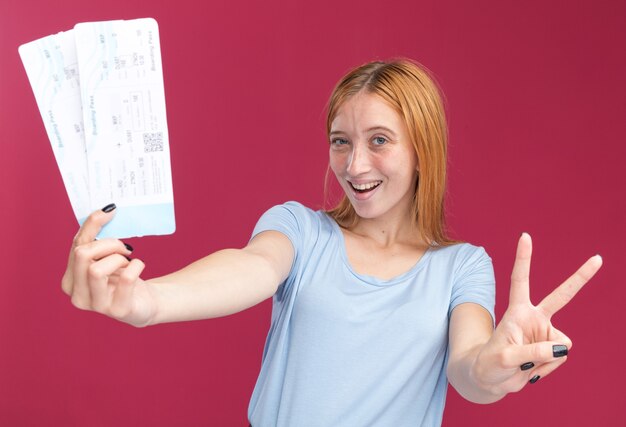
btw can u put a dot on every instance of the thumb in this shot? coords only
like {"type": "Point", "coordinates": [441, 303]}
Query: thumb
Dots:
{"type": "Point", "coordinates": [93, 224]}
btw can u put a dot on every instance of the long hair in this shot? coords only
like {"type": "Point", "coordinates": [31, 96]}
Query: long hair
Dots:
{"type": "Point", "coordinates": [413, 93]}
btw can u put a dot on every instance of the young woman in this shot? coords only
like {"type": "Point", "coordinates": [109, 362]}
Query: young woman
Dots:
{"type": "Point", "coordinates": [375, 309]}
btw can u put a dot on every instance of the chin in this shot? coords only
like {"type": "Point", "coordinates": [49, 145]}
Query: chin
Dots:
{"type": "Point", "coordinates": [366, 213]}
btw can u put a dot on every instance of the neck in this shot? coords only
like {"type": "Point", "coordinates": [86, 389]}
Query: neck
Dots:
{"type": "Point", "coordinates": [387, 232]}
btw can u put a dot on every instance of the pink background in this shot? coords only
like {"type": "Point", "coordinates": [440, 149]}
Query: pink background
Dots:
{"type": "Point", "coordinates": [536, 97]}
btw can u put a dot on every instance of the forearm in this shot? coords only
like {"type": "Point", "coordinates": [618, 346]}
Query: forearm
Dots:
{"type": "Point", "coordinates": [471, 328]}
{"type": "Point", "coordinates": [220, 284]}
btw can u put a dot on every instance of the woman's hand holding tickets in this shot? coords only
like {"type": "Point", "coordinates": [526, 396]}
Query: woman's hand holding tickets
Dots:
{"type": "Point", "coordinates": [101, 277]}
{"type": "Point", "coordinates": [525, 345]}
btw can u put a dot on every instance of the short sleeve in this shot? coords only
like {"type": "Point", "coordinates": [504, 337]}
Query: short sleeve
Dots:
{"type": "Point", "coordinates": [474, 280]}
{"type": "Point", "coordinates": [289, 219]}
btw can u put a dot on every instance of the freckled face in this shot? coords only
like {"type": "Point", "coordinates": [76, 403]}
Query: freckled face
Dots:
{"type": "Point", "coordinates": [372, 157]}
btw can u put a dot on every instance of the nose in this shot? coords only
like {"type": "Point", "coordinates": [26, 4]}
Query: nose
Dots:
{"type": "Point", "coordinates": [359, 161]}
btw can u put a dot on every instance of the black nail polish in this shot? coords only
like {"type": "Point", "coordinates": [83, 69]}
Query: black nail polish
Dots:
{"type": "Point", "coordinates": [534, 379]}
{"type": "Point", "coordinates": [108, 208]}
{"type": "Point", "coordinates": [559, 350]}
{"type": "Point", "coordinates": [128, 247]}
{"type": "Point", "coordinates": [526, 366]}
{"type": "Point", "coordinates": [127, 257]}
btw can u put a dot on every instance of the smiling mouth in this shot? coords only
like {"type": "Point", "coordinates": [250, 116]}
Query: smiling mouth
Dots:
{"type": "Point", "coordinates": [364, 188]}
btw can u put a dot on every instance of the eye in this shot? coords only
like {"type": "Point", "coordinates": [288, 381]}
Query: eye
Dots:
{"type": "Point", "coordinates": [379, 140]}
{"type": "Point", "coordinates": [338, 141]}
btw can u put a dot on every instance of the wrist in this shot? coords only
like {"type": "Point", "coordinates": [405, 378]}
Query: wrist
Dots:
{"type": "Point", "coordinates": [488, 388]}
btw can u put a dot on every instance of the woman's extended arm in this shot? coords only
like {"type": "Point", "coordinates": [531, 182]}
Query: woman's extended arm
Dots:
{"type": "Point", "coordinates": [484, 366]}
{"type": "Point", "coordinates": [101, 278]}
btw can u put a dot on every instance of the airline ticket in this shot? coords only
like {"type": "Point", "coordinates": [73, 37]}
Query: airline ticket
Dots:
{"type": "Point", "coordinates": [99, 89]}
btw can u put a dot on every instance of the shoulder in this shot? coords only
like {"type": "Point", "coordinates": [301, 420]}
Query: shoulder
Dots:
{"type": "Point", "coordinates": [295, 212]}
{"type": "Point", "coordinates": [460, 252]}
{"type": "Point", "coordinates": [297, 209]}
{"type": "Point", "coordinates": [296, 221]}
{"type": "Point", "coordinates": [463, 258]}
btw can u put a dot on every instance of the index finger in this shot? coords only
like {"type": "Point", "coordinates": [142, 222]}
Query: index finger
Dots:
{"type": "Point", "coordinates": [559, 297]}
{"type": "Point", "coordinates": [93, 224]}
{"type": "Point", "coordinates": [520, 276]}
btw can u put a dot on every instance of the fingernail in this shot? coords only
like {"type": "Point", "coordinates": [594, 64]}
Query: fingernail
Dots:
{"type": "Point", "coordinates": [526, 366]}
{"type": "Point", "coordinates": [108, 208]}
{"type": "Point", "coordinates": [559, 350]}
{"type": "Point", "coordinates": [127, 257]}
{"type": "Point", "coordinates": [534, 379]}
{"type": "Point", "coordinates": [128, 247]}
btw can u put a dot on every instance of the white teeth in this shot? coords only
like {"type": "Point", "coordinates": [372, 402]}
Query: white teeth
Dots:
{"type": "Point", "coordinates": [368, 186]}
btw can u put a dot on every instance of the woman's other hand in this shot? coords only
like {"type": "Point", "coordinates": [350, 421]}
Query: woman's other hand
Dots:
{"type": "Point", "coordinates": [525, 345]}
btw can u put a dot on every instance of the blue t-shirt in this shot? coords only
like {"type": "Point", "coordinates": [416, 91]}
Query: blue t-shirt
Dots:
{"type": "Point", "coordinates": [345, 349]}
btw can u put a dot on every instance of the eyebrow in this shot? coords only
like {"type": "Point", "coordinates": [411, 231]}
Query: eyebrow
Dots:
{"type": "Point", "coordinates": [368, 130]}
{"type": "Point", "coordinates": [383, 128]}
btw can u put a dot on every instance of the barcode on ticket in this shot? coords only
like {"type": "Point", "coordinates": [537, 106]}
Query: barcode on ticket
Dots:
{"type": "Point", "coordinates": [152, 142]}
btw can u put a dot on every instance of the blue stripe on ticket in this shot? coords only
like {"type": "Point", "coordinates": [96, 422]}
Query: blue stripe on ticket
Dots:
{"type": "Point", "coordinates": [137, 221]}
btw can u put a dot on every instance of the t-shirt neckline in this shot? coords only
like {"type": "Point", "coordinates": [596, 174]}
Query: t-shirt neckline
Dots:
{"type": "Point", "coordinates": [373, 280]}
